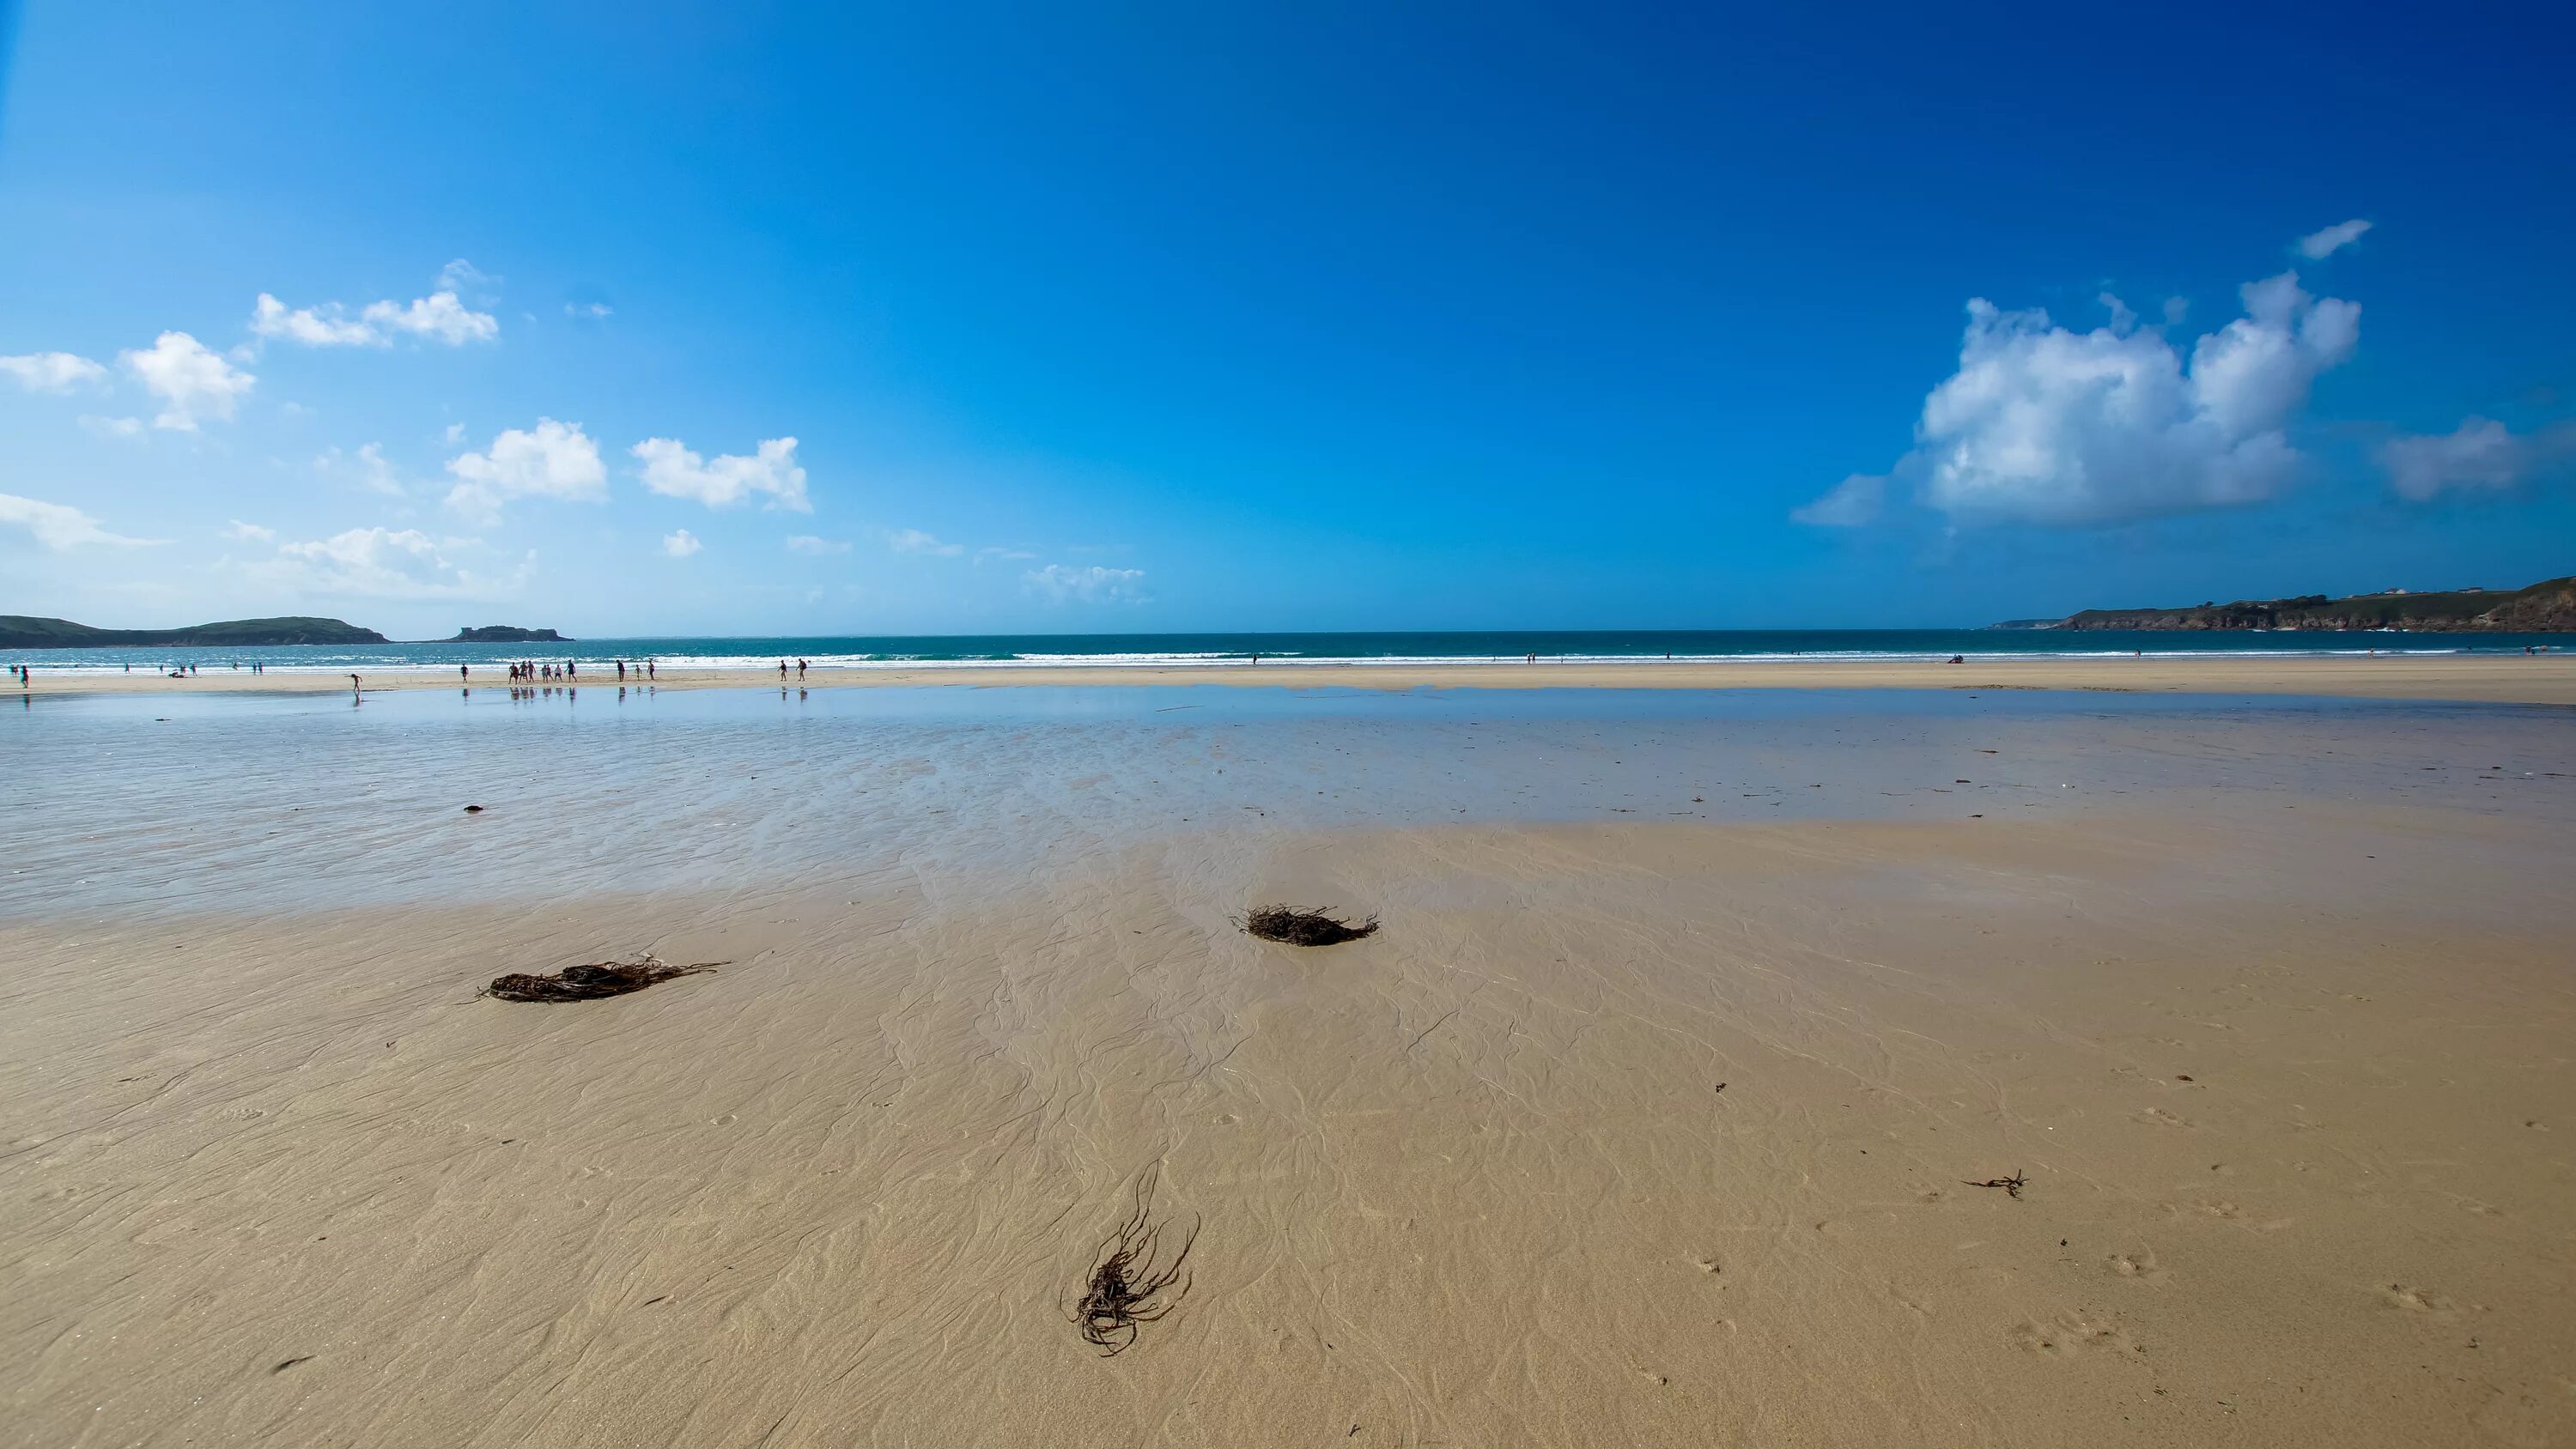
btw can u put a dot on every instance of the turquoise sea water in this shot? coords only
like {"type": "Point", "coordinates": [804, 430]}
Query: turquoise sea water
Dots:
{"type": "Point", "coordinates": [1215, 650]}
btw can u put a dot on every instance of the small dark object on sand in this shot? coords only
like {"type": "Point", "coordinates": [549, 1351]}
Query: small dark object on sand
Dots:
{"type": "Point", "coordinates": [591, 982]}
{"type": "Point", "coordinates": [1304, 928]}
{"type": "Point", "coordinates": [2012, 1185]}
{"type": "Point", "coordinates": [1135, 1283]}
{"type": "Point", "coordinates": [290, 1363]}
{"type": "Point", "coordinates": [473, 809]}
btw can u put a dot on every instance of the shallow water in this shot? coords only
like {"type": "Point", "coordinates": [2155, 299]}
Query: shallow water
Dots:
{"type": "Point", "coordinates": [123, 804]}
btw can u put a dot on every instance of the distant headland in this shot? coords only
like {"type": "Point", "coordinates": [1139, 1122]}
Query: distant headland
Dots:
{"type": "Point", "coordinates": [506, 634]}
{"type": "Point", "coordinates": [2543, 608]}
{"type": "Point", "coordinates": [19, 631]}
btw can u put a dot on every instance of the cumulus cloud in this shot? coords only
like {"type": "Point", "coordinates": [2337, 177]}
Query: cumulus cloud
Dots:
{"type": "Point", "coordinates": [2316, 246]}
{"type": "Point", "coordinates": [110, 427]}
{"type": "Point", "coordinates": [681, 544]}
{"type": "Point", "coordinates": [60, 527]}
{"type": "Point", "coordinates": [1062, 584]}
{"type": "Point", "coordinates": [2481, 455]}
{"type": "Point", "coordinates": [807, 543]}
{"type": "Point", "coordinates": [2042, 424]}
{"type": "Point", "coordinates": [441, 316]}
{"type": "Point", "coordinates": [671, 470]}
{"type": "Point", "coordinates": [52, 371]}
{"type": "Point", "coordinates": [241, 532]}
{"type": "Point", "coordinates": [191, 381]}
{"type": "Point", "coordinates": [323, 326]}
{"type": "Point", "coordinates": [550, 460]}
{"type": "Point", "coordinates": [366, 468]}
{"type": "Point", "coordinates": [385, 563]}
{"type": "Point", "coordinates": [913, 540]}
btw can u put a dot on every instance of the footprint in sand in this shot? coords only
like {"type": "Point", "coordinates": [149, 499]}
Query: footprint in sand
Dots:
{"type": "Point", "coordinates": [2070, 1334]}
{"type": "Point", "coordinates": [1705, 1265]}
{"type": "Point", "coordinates": [2162, 1118]}
{"type": "Point", "coordinates": [2140, 1266]}
{"type": "Point", "coordinates": [2414, 1300]}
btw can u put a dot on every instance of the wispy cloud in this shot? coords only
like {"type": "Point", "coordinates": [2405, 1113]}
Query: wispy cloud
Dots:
{"type": "Point", "coordinates": [913, 540]}
{"type": "Point", "coordinates": [52, 371]}
{"type": "Point", "coordinates": [365, 468]}
{"type": "Point", "coordinates": [2316, 246]}
{"type": "Point", "coordinates": [807, 543]}
{"type": "Point", "coordinates": [1065, 584]}
{"type": "Point", "coordinates": [442, 316]}
{"type": "Point", "coordinates": [681, 544]}
{"type": "Point", "coordinates": [384, 563]}
{"type": "Point", "coordinates": [2481, 455]}
{"type": "Point", "coordinates": [241, 532]}
{"type": "Point", "coordinates": [61, 527]}
{"type": "Point", "coordinates": [106, 427]}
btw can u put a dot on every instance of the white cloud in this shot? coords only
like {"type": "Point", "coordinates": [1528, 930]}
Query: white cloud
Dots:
{"type": "Point", "coordinates": [1849, 504]}
{"type": "Point", "coordinates": [384, 563]}
{"type": "Point", "coordinates": [1061, 584]}
{"type": "Point", "coordinates": [323, 326]}
{"type": "Point", "coordinates": [246, 532]}
{"type": "Point", "coordinates": [58, 526]}
{"type": "Point", "coordinates": [455, 433]}
{"type": "Point", "coordinates": [671, 470]}
{"type": "Point", "coordinates": [913, 540]}
{"type": "Point", "coordinates": [190, 381]}
{"type": "Point", "coordinates": [551, 460]}
{"type": "Point", "coordinates": [2045, 425]}
{"type": "Point", "coordinates": [52, 371]}
{"type": "Point", "coordinates": [2316, 246]}
{"type": "Point", "coordinates": [997, 552]}
{"type": "Point", "coordinates": [366, 468]}
{"type": "Point", "coordinates": [591, 311]}
{"type": "Point", "coordinates": [681, 544]}
{"type": "Point", "coordinates": [2481, 454]}
{"type": "Point", "coordinates": [807, 543]}
{"type": "Point", "coordinates": [110, 427]}
{"type": "Point", "coordinates": [442, 315]}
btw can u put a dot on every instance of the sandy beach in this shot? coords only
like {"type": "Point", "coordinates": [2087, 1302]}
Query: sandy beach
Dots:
{"type": "Point", "coordinates": [2492, 678]}
{"type": "Point", "coordinates": [1622, 1129]}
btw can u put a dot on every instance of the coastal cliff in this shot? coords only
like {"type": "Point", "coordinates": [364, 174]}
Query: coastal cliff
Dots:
{"type": "Point", "coordinates": [2546, 607]}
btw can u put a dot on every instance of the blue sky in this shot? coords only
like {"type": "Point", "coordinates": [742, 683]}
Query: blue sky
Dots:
{"type": "Point", "coordinates": [1184, 317]}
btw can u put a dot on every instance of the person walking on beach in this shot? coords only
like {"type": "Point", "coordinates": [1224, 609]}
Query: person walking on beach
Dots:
{"type": "Point", "coordinates": [649, 672]}
{"type": "Point", "coordinates": [353, 688]}
{"type": "Point", "coordinates": [782, 671]}
{"type": "Point", "coordinates": [800, 671]}
{"type": "Point", "coordinates": [464, 671]}
{"type": "Point", "coordinates": [621, 671]}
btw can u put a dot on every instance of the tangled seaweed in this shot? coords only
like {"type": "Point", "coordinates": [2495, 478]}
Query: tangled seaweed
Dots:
{"type": "Point", "coordinates": [1135, 1282]}
{"type": "Point", "coordinates": [591, 982]}
{"type": "Point", "coordinates": [1304, 928]}
{"type": "Point", "coordinates": [2012, 1185]}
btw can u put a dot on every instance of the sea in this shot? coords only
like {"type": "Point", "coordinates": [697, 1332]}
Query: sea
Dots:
{"type": "Point", "coordinates": [1322, 650]}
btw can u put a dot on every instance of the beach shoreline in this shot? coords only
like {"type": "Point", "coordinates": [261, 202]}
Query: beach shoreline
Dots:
{"type": "Point", "coordinates": [2548, 679]}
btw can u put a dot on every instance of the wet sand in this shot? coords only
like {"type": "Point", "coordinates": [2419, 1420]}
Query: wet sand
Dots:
{"type": "Point", "coordinates": [2511, 678]}
{"type": "Point", "coordinates": [1626, 1132]}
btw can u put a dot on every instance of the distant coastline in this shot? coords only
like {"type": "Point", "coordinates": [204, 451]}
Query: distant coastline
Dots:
{"type": "Point", "coordinates": [2541, 608]}
{"type": "Point", "coordinates": [21, 631]}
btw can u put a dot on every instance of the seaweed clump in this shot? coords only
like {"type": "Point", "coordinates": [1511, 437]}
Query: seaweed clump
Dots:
{"type": "Point", "coordinates": [1137, 1281]}
{"type": "Point", "coordinates": [1304, 928]}
{"type": "Point", "coordinates": [593, 981]}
